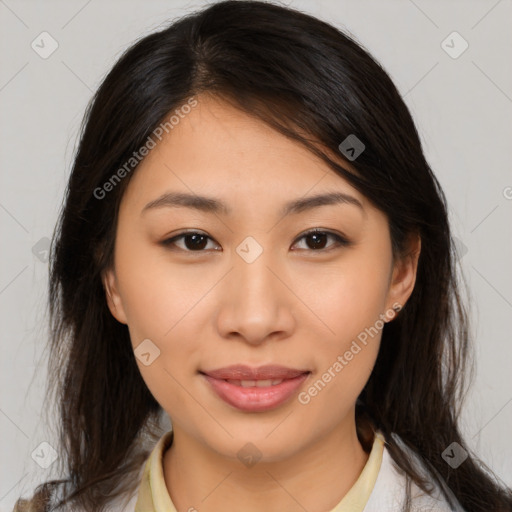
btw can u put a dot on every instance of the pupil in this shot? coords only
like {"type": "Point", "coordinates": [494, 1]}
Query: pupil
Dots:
{"type": "Point", "coordinates": [195, 245]}
{"type": "Point", "coordinates": [316, 236]}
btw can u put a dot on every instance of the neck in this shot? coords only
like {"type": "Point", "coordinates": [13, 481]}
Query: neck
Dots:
{"type": "Point", "coordinates": [315, 478]}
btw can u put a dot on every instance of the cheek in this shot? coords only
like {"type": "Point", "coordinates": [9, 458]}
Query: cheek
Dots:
{"type": "Point", "coordinates": [161, 313]}
{"type": "Point", "coordinates": [158, 295]}
{"type": "Point", "coordinates": [161, 302]}
{"type": "Point", "coordinates": [350, 303]}
{"type": "Point", "coordinates": [348, 295]}
{"type": "Point", "coordinates": [346, 352]}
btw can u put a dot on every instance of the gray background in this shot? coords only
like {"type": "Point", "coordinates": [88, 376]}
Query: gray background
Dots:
{"type": "Point", "coordinates": [462, 107]}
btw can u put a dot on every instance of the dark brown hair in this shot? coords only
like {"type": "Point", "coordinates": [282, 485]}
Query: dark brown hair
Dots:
{"type": "Point", "coordinates": [314, 84]}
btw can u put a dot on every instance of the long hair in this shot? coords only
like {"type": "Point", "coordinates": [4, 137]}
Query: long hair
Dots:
{"type": "Point", "coordinates": [313, 84]}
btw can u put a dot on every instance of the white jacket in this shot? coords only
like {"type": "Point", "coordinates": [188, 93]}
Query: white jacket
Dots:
{"type": "Point", "coordinates": [388, 494]}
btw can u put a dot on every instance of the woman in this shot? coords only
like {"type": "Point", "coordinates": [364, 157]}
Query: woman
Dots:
{"type": "Point", "coordinates": [254, 245]}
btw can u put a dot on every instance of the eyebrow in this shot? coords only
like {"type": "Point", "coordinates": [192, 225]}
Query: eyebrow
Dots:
{"type": "Point", "coordinates": [213, 205]}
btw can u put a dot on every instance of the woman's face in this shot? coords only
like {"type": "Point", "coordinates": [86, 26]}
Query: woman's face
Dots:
{"type": "Point", "coordinates": [251, 288]}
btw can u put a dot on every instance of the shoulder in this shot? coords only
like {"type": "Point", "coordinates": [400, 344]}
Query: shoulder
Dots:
{"type": "Point", "coordinates": [389, 492]}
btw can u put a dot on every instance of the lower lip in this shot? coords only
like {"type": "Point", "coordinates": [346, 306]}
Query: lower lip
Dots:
{"type": "Point", "coordinates": [256, 399]}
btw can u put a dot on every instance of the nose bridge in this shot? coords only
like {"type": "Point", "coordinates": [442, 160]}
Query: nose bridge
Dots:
{"type": "Point", "coordinates": [253, 263]}
{"type": "Point", "coordinates": [256, 304]}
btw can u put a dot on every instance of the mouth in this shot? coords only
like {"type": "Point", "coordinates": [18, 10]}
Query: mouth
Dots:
{"type": "Point", "coordinates": [255, 389]}
{"type": "Point", "coordinates": [255, 383]}
{"type": "Point", "coordinates": [243, 372]}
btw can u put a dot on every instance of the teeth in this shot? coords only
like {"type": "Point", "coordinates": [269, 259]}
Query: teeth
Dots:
{"type": "Point", "coordinates": [255, 383]}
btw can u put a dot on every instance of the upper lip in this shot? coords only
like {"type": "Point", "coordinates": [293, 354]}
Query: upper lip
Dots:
{"type": "Point", "coordinates": [244, 372]}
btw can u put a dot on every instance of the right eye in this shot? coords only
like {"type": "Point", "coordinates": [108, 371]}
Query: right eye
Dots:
{"type": "Point", "coordinates": [194, 241]}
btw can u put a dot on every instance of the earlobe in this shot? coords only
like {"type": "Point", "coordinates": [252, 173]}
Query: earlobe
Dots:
{"type": "Point", "coordinates": [404, 275]}
{"type": "Point", "coordinates": [112, 295]}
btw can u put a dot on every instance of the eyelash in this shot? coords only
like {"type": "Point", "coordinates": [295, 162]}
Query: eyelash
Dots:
{"type": "Point", "coordinates": [340, 240]}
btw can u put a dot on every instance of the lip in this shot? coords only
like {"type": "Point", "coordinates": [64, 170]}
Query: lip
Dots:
{"type": "Point", "coordinates": [255, 399]}
{"type": "Point", "coordinates": [245, 372]}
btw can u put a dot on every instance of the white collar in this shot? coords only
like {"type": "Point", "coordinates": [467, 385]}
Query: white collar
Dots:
{"type": "Point", "coordinates": [388, 494]}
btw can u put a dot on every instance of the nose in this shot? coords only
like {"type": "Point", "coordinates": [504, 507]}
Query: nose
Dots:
{"type": "Point", "coordinates": [256, 303]}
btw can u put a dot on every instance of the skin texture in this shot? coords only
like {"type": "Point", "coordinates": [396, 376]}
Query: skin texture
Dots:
{"type": "Point", "coordinates": [295, 305]}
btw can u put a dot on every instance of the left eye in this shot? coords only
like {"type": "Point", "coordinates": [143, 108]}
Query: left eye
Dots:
{"type": "Point", "coordinates": [197, 240]}
{"type": "Point", "coordinates": [318, 237]}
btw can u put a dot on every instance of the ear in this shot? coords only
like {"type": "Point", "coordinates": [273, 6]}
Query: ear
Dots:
{"type": "Point", "coordinates": [403, 277]}
{"type": "Point", "coordinates": [113, 298]}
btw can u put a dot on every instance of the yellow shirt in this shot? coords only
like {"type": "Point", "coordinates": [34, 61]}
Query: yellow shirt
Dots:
{"type": "Point", "coordinates": [154, 497]}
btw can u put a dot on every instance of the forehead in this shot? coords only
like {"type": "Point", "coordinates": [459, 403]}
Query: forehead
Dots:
{"type": "Point", "coordinates": [218, 150]}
